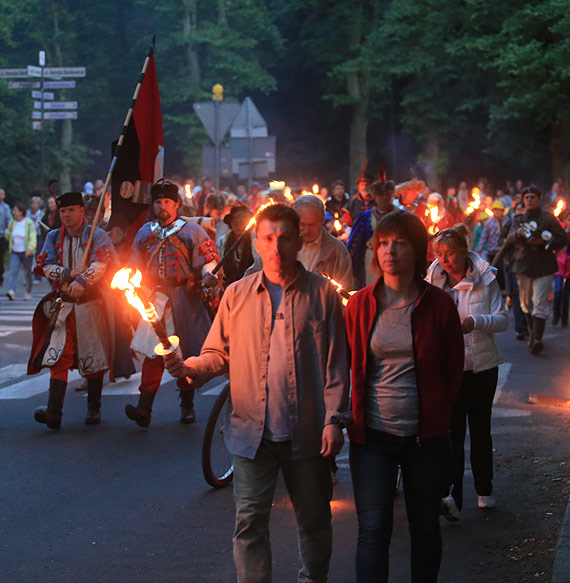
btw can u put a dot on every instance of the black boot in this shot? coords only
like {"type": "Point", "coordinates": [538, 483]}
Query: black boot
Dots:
{"type": "Point", "coordinates": [94, 388]}
{"type": "Point", "coordinates": [187, 413]}
{"type": "Point", "coordinates": [142, 412]}
{"type": "Point", "coordinates": [530, 340]}
{"type": "Point", "coordinates": [52, 415]}
{"type": "Point", "coordinates": [537, 331]}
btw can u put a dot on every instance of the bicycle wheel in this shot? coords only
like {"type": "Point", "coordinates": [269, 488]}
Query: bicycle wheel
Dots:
{"type": "Point", "coordinates": [217, 462]}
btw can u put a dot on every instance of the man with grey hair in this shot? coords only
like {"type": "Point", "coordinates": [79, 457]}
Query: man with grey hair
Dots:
{"type": "Point", "coordinates": [5, 220]}
{"type": "Point", "coordinates": [321, 252]}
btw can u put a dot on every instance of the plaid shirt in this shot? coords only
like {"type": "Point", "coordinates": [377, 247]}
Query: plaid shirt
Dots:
{"type": "Point", "coordinates": [492, 232]}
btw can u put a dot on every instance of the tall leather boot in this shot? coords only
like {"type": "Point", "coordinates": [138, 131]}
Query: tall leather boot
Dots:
{"type": "Point", "coordinates": [538, 325]}
{"type": "Point", "coordinates": [187, 413]}
{"type": "Point", "coordinates": [94, 388]}
{"type": "Point", "coordinates": [530, 341]}
{"type": "Point", "coordinates": [52, 415]}
{"type": "Point", "coordinates": [142, 412]}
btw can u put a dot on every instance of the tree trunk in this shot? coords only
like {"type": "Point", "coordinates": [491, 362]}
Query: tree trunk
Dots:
{"type": "Point", "coordinates": [358, 150]}
{"type": "Point", "coordinates": [67, 127]}
{"type": "Point", "coordinates": [222, 19]}
{"type": "Point", "coordinates": [431, 160]}
{"type": "Point", "coordinates": [189, 25]}
{"type": "Point", "coordinates": [560, 155]}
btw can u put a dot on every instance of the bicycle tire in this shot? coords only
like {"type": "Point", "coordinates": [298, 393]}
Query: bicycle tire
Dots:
{"type": "Point", "coordinates": [217, 462]}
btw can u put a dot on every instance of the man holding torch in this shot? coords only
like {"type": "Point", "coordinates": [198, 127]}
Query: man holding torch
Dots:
{"type": "Point", "coordinates": [280, 334]}
{"type": "Point", "coordinates": [175, 256]}
{"type": "Point", "coordinates": [74, 325]}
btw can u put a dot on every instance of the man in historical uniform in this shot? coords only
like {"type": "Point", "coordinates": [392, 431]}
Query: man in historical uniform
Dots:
{"type": "Point", "coordinates": [74, 325]}
{"type": "Point", "coordinates": [175, 256]}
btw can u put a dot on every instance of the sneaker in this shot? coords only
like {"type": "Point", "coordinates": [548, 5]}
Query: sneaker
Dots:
{"type": "Point", "coordinates": [27, 296]}
{"type": "Point", "coordinates": [448, 508]}
{"type": "Point", "coordinates": [11, 295]}
{"type": "Point", "coordinates": [486, 502]}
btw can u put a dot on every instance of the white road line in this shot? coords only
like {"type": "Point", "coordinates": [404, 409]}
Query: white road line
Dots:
{"type": "Point", "coordinates": [7, 330]}
{"type": "Point", "coordinates": [12, 371]}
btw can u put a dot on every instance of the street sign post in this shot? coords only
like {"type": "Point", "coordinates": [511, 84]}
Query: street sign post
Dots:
{"type": "Point", "coordinates": [59, 84]}
{"type": "Point", "coordinates": [60, 115]}
{"type": "Point", "coordinates": [34, 71]}
{"type": "Point", "coordinates": [60, 105]}
{"type": "Point", "coordinates": [43, 95]}
{"type": "Point", "coordinates": [24, 85]}
{"type": "Point", "coordinates": [65, 72]}
{"type": "Point", "coordinates": [13, 73]}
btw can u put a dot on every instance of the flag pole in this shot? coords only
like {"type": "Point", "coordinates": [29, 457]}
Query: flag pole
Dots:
{"type": "Point", "coordinates": [116, 153]}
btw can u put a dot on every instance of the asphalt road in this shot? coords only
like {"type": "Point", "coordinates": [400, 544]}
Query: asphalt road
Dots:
{"type": "Point", "coordinates": [117, 504]}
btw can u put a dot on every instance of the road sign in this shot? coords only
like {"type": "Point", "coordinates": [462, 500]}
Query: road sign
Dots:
{"type": "Point", "coordinates": [45, 94]}
{"type": "Point", "coordinates": [60, 115]}
{"type": "Point", "coordinates": [248, 123]}
{"type": "Point", "coordinates": [207, 114]}
{"type": "Point", "coordinates": [37, 105]}
{"type": "Point", "coordinates": [59, 84]}
{"type": "Point", "coordinates": [64, 71]}
{"type": "Point", "coordinates": [36, 115]}
{"type": "Point", "coordinates": [34, 71]}
{"type": "Point", "coordinates": [24, 85]}
{"type": "Point", "coordinates": [36, 125]}
{"type": "Point", "coordinates": [60, 105]}
{"type": "Point", "coordinates": [13, 73]}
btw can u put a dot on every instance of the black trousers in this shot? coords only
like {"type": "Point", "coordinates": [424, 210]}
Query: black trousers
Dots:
{"type": "Point", "coordinates": [473, 406]}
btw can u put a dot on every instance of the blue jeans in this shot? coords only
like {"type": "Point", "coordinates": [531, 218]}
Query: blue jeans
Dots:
{"type": "Point", "coordinates": [309, 484]}
{"type": "Point", "coordinates": [513, 286]}
{"type": "Point", "coordinates": [18, 260]}
{"type": "Point", "coordinates": [374, 468]}
{"type": "Point", "coordinates": [561, 297]}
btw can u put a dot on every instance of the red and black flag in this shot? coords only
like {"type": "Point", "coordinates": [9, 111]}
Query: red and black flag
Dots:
{"type": "Point", "coordinates": [138, 157]}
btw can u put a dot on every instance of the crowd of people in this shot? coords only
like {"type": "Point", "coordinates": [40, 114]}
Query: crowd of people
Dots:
{"type": "Point", "coordinates": [249, 281]}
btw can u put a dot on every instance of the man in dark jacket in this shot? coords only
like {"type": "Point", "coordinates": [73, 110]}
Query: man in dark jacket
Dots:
{"type": "Point", "coordinates": [536, 236]}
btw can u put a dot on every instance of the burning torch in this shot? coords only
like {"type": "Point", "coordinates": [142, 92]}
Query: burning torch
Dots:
{"type": "Point", "coordinates": [344, 294]}
{"type": "Point", "coordinates": [124, 281]}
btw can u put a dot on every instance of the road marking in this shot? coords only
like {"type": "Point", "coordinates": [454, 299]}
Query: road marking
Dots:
{"type": "Point", "coordinates": [32, 386]}
{"type": "Point", "coordinates": [7, 330]}
{"type": "Point", "coordinates": [12, 371]}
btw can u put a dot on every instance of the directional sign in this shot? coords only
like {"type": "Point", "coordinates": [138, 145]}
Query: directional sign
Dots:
{"type": "Point", "coordinates": [24, 85]}
{"type": "Point", "coordinates": [34, 71]}
{"type": "Point", "coordinates": [64, 71]}
{"type": "Point", "coordinates": [36, 125]}
{"type": "Point", "coordinates": [13, 73]}
{"type": "Point", "coordinates": [36, 115]}
{"type": "Point", "coordinates": [59, 84]}
{"type": "Point", "coordinates": [60, 115]}
{"type": "Point", "coordinates": [37, 105]}
{"type": "Point", "coordinates": [43, 94]}
{"type": "Point", "coordinates": [61, 105]}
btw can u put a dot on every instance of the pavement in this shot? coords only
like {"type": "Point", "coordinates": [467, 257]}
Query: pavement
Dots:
{"type": "Point", "coordinates": [103, 536]}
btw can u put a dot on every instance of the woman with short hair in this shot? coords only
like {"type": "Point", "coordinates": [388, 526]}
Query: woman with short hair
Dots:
{"type": "Point", "coordinates": [472, 283]}
{"type": "Point", "coordinates": [407, 361]}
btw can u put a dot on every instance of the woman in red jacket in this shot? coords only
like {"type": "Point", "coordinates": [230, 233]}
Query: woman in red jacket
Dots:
{"type": "Point", "coordinates": [407, 364]}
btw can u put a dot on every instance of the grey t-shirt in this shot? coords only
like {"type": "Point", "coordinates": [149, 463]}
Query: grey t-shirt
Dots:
{"type": "Point", "coordinates": [277, 421]}
{"type": "Point", "coordinates": [393, 403]}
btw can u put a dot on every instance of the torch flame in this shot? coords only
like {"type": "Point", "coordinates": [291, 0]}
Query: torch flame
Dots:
{"type": "Point", "coordinates": [559, 207]}
{"type": "Point", "coordinates": [434, 214]}
{"type": "Point", "coordinates": [345, 295]}
{"type": "Point", "coordinates": [188, 192]}
{"type": "Point", "coordinates": [489, 212]}
{"type": "Point", "coordinates": [253, 219]}
{"type": "Point", "coordinates": [125, 282]}
{"type": "Point", "coordinates": [316, 189]}
{"type": "Point", "coordinates": [337, 225]}
{"type": "Point", "coordinates": [287, 194]}
{"type": "Point", "coordinates": [475, 204]}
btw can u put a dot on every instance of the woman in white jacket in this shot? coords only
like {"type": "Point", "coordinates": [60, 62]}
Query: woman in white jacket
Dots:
{"type": "Point", "coordinates": [472, 283]}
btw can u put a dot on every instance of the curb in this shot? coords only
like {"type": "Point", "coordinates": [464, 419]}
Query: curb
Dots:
{"type": "Point", "coordinates": [561, 566]}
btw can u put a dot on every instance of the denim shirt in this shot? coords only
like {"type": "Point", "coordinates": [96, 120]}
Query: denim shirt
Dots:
{"type": "Point", "coordinates": [316, 353]}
